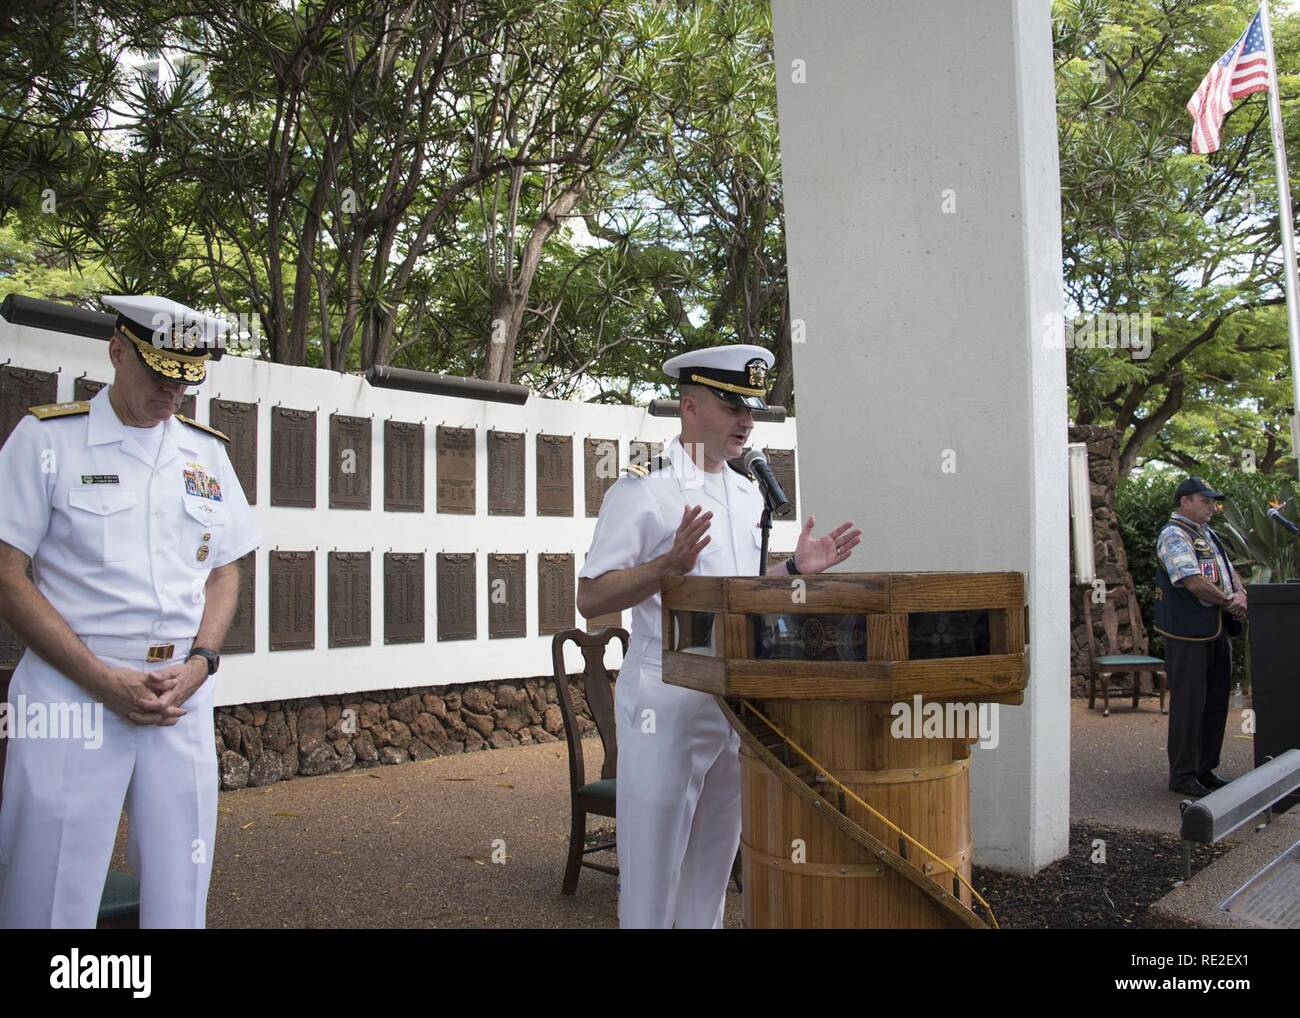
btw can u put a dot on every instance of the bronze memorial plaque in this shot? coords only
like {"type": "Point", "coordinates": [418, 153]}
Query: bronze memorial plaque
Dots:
{"type": "Point", "coordinates": [782, 464]}
{"type": "Point", "coordinates": [349, 598]}
{"type": "Point", "coordinates": [403, 467]}
{"type": "Point", "coordinates": [599, 470]}
{"type": "Point", "coordinates": [241, 638]}
{"type": "Point", "coordinates": [554, 475]}
{"type": "Point", "coordinates": [456, 466]}
{"type": "Point", "coordinates": [505, 473]}
{"type": "Point", "coordinates": [293, 599]}
{"type": "Point", "coordinates": [293, 457]}
{"type": "Point", "coordinates": [404, 597]}
{"type": "Point", "coordinates": [555, 593]}
{"type": "Point", "coordinates": [85, 388]}
{"type": "Point", "coordinates": [507, 596]}
{"type": "Point", "coordinates": [642, 454]}
{"type": "Point", "coordinates": [238, 422]}
{"type": "Point", "coordinates": [349, 462]}
{"type": "Point", "coordinates": [456, 613]}
{"type": "Point", "coordinates": [21, 388]}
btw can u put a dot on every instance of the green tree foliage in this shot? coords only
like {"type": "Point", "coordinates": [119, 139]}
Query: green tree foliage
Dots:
{"type": "Point", "coordinates": [1193, 241]}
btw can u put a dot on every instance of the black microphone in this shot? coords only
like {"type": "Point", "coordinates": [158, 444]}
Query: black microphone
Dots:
{"type": "Point", "coordinates": [756, 463]}
{"type": "Point", "coordinates": [1275, 514]}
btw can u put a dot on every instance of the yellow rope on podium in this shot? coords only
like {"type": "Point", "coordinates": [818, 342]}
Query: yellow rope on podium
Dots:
{"type": "Point", "coordinates": [874, 812]}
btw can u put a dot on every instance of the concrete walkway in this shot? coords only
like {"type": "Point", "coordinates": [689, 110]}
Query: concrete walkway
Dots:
{"type": "Point", "coordinates": [479, 840]}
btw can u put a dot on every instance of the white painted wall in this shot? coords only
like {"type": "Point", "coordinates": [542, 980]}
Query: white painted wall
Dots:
{"type": "Point", "coordinates": [263, 675]}
{"type": "Point", "coordinates": [923, 340]}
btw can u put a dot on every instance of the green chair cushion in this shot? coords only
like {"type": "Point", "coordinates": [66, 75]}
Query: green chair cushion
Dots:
{"type": "Point", "coordinates": [602, 789]}
{"type": "Point", "coordinates": [121, 896]}
{"type": "Point", "coordinates": [1127, 661]}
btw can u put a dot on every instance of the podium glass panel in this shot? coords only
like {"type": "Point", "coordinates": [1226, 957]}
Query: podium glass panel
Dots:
{"type": "Point", "coordinates": [801, 636]}
{"type": "Point", "coordinates": [947, 634]}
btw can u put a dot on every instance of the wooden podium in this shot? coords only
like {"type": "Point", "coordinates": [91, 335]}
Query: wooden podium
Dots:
{"type": "Point", "coordinates": [856, 697]}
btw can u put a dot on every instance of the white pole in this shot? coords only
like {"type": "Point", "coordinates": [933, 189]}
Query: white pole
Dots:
{"type": "Point", "coordinates": [1288, 227]}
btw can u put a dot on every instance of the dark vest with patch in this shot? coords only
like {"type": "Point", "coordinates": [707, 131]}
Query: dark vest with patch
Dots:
{"type": "Point", "coordinates": [1177, 611]}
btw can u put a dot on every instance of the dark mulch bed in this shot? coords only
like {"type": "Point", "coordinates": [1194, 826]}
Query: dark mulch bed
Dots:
{"type": "Point", "coordinates": [1077, 893]}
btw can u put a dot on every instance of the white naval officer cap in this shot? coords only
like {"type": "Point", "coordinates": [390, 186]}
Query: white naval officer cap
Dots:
{"type": "Point", "coordinates": [737, 372]}
{"type": "Point", "coordinates": [173, 341]}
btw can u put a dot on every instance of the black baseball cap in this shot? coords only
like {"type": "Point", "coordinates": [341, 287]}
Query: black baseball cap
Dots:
{"type": "Point", "coordinates": [1196, 486]}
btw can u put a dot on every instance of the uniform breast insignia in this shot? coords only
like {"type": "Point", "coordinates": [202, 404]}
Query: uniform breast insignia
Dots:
{"type": "Point", "coordinates": [203, 427]}
{"type": "Point", "coordinates": [202, 553]}
{"type": "Point", "coordinates": [48, 411]}
{"type": "Point", "coordinates": [199, 482]}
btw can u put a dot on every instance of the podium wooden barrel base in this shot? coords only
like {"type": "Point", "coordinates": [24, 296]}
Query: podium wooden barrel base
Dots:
{"type": "Point", "coordinates": [801, 870]}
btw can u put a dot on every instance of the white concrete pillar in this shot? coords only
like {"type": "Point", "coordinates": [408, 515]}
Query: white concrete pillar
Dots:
{"type": "Point", "coordinates": [922, 201]}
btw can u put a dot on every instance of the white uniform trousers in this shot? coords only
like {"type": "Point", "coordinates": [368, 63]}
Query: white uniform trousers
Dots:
{"type": "Point", "coordinates": [63, 800]}
{"type": "Point", "coordinates": [678, 799]}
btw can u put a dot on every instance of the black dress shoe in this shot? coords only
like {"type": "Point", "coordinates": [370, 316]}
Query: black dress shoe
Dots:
{"type": "Point", "coordinates": [1190, 787]}
{"type": "Point", "coordinates": [1211, 780]}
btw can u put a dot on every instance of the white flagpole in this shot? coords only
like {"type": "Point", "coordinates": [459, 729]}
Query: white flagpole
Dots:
{"type": "Point", "coordinates": [1288, 230]}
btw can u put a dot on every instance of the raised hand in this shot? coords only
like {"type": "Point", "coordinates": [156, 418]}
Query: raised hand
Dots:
{"type": "Point", "coordinates": [688, 542]}
{"type": "Point", "coordinates": [815, 554]}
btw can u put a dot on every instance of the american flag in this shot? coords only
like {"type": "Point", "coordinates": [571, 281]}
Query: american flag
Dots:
{"type": "Point", "coordinates": [1239, 72]}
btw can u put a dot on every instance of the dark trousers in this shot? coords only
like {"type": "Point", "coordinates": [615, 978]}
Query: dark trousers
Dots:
{"type": "Point", "coordinates": [1198, 673]}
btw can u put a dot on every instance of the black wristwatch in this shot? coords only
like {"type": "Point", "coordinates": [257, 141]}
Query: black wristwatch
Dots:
{"type": "Point", "coordinates": [210, 656]}
{"type": "Point", "coordinates": [790, 567]}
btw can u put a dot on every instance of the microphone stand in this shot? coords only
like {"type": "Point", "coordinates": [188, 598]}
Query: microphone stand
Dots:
{"type": "Point", "coordinates": [765, 522]}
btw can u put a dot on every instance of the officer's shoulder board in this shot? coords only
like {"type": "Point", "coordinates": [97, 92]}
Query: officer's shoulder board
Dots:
{"type": "Point", "coordinates": [203, 427]}
{"type": "Point", "coordinates": [645, 470]}
{"type": "Point", "coordinates": [48, 411]}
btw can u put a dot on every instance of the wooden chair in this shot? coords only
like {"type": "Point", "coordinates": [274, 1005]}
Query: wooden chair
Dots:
{"type": "Point", "coordinates": [119, 907]}
{"type": "Point", "coordinates": [585, 796]}
{"type": "Point", "coordinates": [1105, 665]}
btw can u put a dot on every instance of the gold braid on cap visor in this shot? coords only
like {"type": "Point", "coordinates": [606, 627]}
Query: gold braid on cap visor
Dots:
{"type": "Point", "coordinates": [714, 384]}
{"type": "Point", "coordinates": [180, 367]}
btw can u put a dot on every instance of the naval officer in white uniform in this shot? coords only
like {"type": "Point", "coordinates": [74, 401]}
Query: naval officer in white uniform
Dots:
{"type": "Point", "coordinates": [678, 786]}
{"type": "Point", "coordinates": [132, 519]}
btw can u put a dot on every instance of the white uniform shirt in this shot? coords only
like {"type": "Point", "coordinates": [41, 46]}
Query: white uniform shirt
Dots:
{"type": "Point", "coordinates": [122, 544]}
{"type": "Point", "coordinates": [640, 516]}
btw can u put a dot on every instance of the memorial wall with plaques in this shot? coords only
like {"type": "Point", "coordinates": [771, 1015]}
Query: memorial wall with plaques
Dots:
{"type": "Point", "coordinates": [554, 475]}
{"type": "Point", "coordinates": [293, 599]}
{"type": "Point", "coordinates": [404, 597]}
{"type": "Point", "coordinates": [642, 454]}
{"type": "Point", "coordinates": [349, 462]}
{"type": "Point", "coordinates": [457, 617]}
{"type": "Point", "coordinates": [241, 637]}
{"type": "Point", "coordinates": [238, 422]}
{"type": "Point", "coordinates": [457, 465]}
{"type": "Point", "coordinates": [599, 470]}
{"type": "Point", "coordinates": [509, 552]}
{"type": "Point", "coordinates": [507, 596]}
{"type": "Point", "coordinates": [293, 457]}
{"type": "Point", "coordinates": [21, 388]}
{"type": "Point", "coordinates": [782, 463]}
{"type": "Point", "coordinates": [505, 473]}
{"type": "Point", "coordinates": [556, 591]}
{"type": "Point", "coordinates": [403, 467]}
{"type": "Point", "coordinates": [349, 598]}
